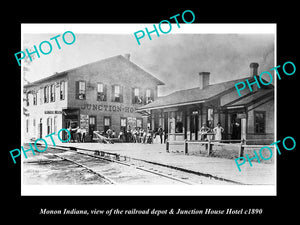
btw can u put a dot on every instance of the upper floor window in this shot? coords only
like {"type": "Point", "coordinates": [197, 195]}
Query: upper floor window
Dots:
{"type": "Point", "coordinates": [117, 93]}
{"type": "Point", "coordinates": [52, 93]}
{"type": "Point", "coordinates": [80, 90]}
{"type": "Point", "coordinates": [137, 98]}
{"type": "Point", "coordinates": [101, 92]}
{"type": "Point", "coordinates": [149, 96]}
{"type": "Point", "coordinates": [62, 90]}
{"type": "Point", "coordinates": [41, 95]}
{"type": "Point", "coordinates": [46, 94]}
{"type": "Point", "coordinates": [27, 99]}
{"type": "Point", "coordinates": [34, 98]}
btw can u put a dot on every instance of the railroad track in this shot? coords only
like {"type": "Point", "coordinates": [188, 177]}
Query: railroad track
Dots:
{"type": "Point", "coordinates": [175, 174]}
{"type": "Point", "coordinates": [103, 177]}
{"type": "Point", "coordinates": [115, 158]}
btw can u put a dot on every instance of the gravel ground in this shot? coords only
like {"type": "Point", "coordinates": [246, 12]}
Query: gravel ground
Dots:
{"type": "Point", "coordinates": [46, 168]}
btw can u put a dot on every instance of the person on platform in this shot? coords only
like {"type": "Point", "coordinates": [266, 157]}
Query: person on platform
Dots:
{"type": "Point", "coordinates": [78, 134]}
{"type": "Point", "coordinates": [218, 130]}
{"type": "Point", "coordinates": [160, 132]}
{"type": "Point", "coordinates": [203, 131]}
{"type": "Point", "coordinates": [109, 133]}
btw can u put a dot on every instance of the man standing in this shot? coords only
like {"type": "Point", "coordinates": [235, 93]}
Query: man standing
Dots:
{"type": "Point", "coordinates": [160, 133]}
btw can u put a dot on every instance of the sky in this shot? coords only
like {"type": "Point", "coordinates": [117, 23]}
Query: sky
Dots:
{"type": "Point", "coordinates": [176, 59]}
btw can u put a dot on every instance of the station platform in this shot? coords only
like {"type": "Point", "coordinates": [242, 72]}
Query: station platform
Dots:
{"type": "Point", "coordinates": [258, 174]}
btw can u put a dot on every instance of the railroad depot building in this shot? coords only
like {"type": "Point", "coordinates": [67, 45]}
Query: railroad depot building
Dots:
{"type": "Point", "coordinates": [97, 96]}
{"type": "Point", "coordinates": [249, 117]}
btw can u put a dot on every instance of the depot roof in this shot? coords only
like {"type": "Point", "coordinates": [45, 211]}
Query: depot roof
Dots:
{"type": "Point", "coordinates": [194, 95]}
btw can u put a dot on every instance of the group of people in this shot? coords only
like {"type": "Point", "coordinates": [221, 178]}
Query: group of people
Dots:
{"type": "Point", "coordinates": [77, 134]}
{"type": "Point", "coordinates": [207, 133]}
{"type": "Point", "coordinates": [137, 135]}
{"type": "Point", "coordinates": [140, 135]}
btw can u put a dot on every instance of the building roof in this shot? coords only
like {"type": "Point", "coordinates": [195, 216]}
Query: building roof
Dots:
{"type": "Point", "coordinates": [250, 98]}
{"type": "Point", "coordinates": [113, 59]}
{"type": "Point", "coordinates": [194, 95]}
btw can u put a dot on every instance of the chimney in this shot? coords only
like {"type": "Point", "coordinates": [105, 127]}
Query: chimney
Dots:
{"type": "Point", "coordinates": [253, 69]}
{"type": "Point", "coordinates": [203, 79]}
{"type": "Point", "coordinates": [127, 56]}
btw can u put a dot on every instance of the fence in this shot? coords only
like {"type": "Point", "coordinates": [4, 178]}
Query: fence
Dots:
{"type": "Point", "coordinates": [230, 149]}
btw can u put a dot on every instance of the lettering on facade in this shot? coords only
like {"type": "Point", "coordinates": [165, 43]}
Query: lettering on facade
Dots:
{"type": "Point", "coordinates": [109, 108]}
{"type": "Point", "coordinates": [53, 112]}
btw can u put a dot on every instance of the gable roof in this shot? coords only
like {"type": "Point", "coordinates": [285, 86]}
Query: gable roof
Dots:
{"type": "Point", "coordinates": [194, 95]}
{"type": "Point", "coordinates": [113, 60]}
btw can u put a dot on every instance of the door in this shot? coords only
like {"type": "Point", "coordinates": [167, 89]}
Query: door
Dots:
{"type": "Point", "coordinates": [235, 123]}
{"type": "Point", "coordinates": [92, 125]}
{"type": "Point", "coordinates": [194, 126]}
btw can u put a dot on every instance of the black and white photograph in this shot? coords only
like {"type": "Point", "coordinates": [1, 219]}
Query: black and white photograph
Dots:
{"type": "Point", "coordinates": [139, 112]}
{"type": "Point", "coordinates": [180, 114]}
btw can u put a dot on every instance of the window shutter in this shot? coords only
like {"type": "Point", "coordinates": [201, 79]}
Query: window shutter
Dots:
{"type": "Point", "coordinates": [121, 93]}
{"type": "Point", "coordinates": [77, 89]}
{"type": "Point", "coordinates": [113, 93]}
{"type": "Point", "coordinates": [105, 91]}
{"type": "Point", "coordinates": [41, 95]}
{"type": "Point", "coordinates": [132, 96]}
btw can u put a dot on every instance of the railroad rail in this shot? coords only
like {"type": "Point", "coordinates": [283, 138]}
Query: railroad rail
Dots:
{"type": "Point", "coordinates": [107, 179]}
{"type": "Point", "coordinates": [116, 158]}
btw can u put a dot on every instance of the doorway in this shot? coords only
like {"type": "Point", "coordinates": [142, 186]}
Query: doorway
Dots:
{"type": "Point", "coordinates": [194, 122]}
{"type": "Point", "coordinates": [235, 126]}
{"type": "Point", "coordinates": [92, 125]}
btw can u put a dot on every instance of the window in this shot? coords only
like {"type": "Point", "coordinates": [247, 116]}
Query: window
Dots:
{"type": "Point", "coordinates": [178, 122]}
{"type": "Point", "coordinates": [92, 120]}
{"type": "Point", "coordinates": [62, 90]}
{"type": "Point", "coordinates": [48, 125]}
{"type": "Point", "coordinates": [123, 124]}
{"type": "Point", "coordinates": [149, 97]}
{"type": "Point", "coordinates": [117, 93]}
{"type": "Point", "coordinates": [34, 98]}
{"type": "Point", "coordinates": [139, 123]}
{"type": "Point", "coordinates": [259, 122]}
{"type": "Point", "coordinates": [106, 123]}
{"type": "Point", "coordinates": [46, 94]}
{"type": "Point", "coordinates": [136, 96]}
{"type": "Point", "coordinates": [41, 95]}
{"type": "Point", "coordinates": [210, 117]}
{"type": "Point", "coordinates": [27, 125]}
{"type": "Point", "coordinates": [52, 93]}
{"type": "Point", "coordinates": [27, 99]}
{"type": "Point", "coordinates": [55, 124]}
{"type": "Point", "coordinates": [101, 92]}
{"type": "Point", "coordinates": [80, 90]}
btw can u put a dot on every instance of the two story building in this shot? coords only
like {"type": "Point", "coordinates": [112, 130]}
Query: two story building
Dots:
{"type": "Point", "coordinates": [97, 96]}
